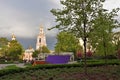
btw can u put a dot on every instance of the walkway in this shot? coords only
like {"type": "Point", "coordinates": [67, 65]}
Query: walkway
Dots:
{"type": "Point", "coordinates": [18, 65]}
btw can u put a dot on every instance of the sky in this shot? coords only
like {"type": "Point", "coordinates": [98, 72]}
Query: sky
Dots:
{"type": "Point", "coordinates": [24, 17]}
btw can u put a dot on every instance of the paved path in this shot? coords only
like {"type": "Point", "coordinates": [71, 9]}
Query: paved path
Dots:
{"type": "Point", "coordinates": [18, 65]}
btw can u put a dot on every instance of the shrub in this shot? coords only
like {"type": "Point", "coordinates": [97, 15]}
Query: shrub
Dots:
{"type": "Point", "coordinates": [79, 54]}
{"type": "Point", "coordinates": [55, 66]}
{"type": "Point", "coordinates": [111, 57]}
{"type": "Point", "coordinates": [108, 57]}
{"type": "Point", "coordinates": [118, 54]}
{"type": "Point", "coordinates": [89, 54]}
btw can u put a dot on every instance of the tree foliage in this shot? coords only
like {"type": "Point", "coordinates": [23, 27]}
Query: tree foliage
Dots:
{"type": "Point", "coordinates": [35, 53]}
{"type": "Point", "coordinates": [43, 49]}
{"type": "Point", "coordinates": [3, 42]}
{"type": "Point", "coordinates": [116, 40]}
{"type": "Point", "coordinates": [67, 42]}
{"type": "Point", "coordinates": [3, 46]}
{"type": "Point", "coordinates": [102, 34]}
{"type": "Point", "coordinates": [14, 50]}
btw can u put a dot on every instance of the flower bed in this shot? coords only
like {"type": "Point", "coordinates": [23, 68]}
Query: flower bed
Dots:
{"type": "Point", "coordinates": [39, 62]}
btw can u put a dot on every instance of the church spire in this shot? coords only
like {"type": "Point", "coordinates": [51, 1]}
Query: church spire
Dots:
{"type": "Point", "coordinates": [13, 36]}
{"type": "Point", "coordinates": [41, 30]}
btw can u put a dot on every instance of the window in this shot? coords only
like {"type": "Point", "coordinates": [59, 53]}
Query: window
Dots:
{"type": "Point", "coordinates": [39, 40]}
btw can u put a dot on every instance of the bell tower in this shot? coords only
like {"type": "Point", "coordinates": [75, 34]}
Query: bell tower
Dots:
{"type": "Point", "coordinates": [41, 39]}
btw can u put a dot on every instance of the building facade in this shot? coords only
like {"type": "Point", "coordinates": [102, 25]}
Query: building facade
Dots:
{"type": "Point", "coordinates": [27, 56]}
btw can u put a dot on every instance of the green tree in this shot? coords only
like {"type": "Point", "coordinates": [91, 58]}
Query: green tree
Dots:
{"type": "Point", "coordinates": [45, 50]}
{"type": "Point", "coordinates": [14, 50]}
{"type": "Point", "coordinates": [3, 42]}
{"type": "Point", "coordinates": [67, 42]}
{"type": "Point", "coordinates": [116, 40]}
{"type": "Point", "coordinates": [101, 37]}
{"type": "Point", "coordinates": [35, 53]}
{"type": "Point", "coordinates": [78, 16]}
{"type": "Point", "coordinates": [4, 51]}
{"type": "Point", "coordinates": [3, 46]}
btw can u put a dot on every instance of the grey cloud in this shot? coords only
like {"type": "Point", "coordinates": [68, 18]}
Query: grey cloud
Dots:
{"type": "Point", "coordinates": [26, 42]}
{"type": "Point", "coordinates": [23, 17]}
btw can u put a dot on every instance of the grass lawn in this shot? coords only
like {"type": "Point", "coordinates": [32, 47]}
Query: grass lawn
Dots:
{"type": "Point", "coordinates": [111, 72]}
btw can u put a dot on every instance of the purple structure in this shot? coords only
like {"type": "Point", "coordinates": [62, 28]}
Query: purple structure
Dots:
{"type": "Point", "coordinates": [58, 59]}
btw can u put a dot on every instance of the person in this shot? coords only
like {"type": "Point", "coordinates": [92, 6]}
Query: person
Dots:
{"type": "Point", "coordinates": [32, 61]}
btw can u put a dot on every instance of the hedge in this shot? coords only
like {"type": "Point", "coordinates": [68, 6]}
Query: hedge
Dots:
{"type": "Point", "coordinates": [51, 66]}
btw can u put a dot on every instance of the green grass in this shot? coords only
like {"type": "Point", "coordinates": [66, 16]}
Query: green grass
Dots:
{"type": "Point", "coordinates": [11, 67]}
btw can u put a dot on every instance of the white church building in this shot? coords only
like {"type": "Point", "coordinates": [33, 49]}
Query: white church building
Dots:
{"type": "Point", "coordinates": [41, 41]}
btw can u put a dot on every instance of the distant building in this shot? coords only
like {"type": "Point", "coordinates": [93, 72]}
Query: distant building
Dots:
{"type": "Point", "coordinates": [27, 56]}
{"type": "Point", "coordinates": [41, 39]}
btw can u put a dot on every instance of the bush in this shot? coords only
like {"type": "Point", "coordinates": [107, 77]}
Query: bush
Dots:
{"type": "Point", "coordinates": [79, 54]}
{"type": "Point", "coordinates": [89, 54]}
{"type": "Point", "coordinates": [118, 54]}
{"type": "Point", "coordinates": [52, 66]}
{"type": "Point", "coordinates": [109, 57]}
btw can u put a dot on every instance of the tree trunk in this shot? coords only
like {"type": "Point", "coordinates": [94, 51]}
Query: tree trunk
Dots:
{"type": "Point", "coordinates": [104, 45]}
{"type": "Point", "coordinates": [85, 36]}
{"type": "Point", "coordinates": [85, 60]}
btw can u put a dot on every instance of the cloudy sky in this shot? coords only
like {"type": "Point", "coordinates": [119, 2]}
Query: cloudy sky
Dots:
{"type": "Point", "coordinates": [24, 17]}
